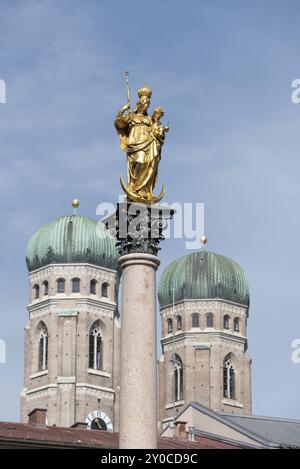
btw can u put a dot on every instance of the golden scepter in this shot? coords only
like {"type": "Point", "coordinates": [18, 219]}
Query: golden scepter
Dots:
{"type": "Point", "coordinates": [127, 87]}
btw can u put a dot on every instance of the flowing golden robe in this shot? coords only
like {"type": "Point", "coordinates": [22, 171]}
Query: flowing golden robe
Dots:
{"type": "Point", "coordinates": [143, 152]}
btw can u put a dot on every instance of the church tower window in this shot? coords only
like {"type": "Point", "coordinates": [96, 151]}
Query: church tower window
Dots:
{"type": "Point", "coordinates": [61, 285]}
{"type": "Point", "coordinates": [75, 285]}
{"type": "Point", "coordinates": [177, 377]}
{"type": "Point", "coordinates": [236, 325]}
{"type": "Point", "coordinates": [95, 347]}
{"type": "Point", "coordinates": [195, 320]}
{"type": "Point", "coordinates": [179, 323]}
{"type": "Point", "coordinates": [36, 291]}
{"type": "Point", "coordinates": [46, 287]}
{"type": "Point", "coordinates": [170, 326]}
{"type": "Point", "coordinates": [226, 321]}
{"type": "Point", "coordinates": [93, 287]}
{"type": "Point", "coordinates": [228, 378]}
{"type": "Point", "coordinates": [209, 320]}
{"type": "Point", "coordinates": [104, 290]}
{"type": "Point", "coordinates": [43, 347]}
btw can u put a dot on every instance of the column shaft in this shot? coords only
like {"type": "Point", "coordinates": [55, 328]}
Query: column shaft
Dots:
{"type": "Point", "coordinates": [138, 391]}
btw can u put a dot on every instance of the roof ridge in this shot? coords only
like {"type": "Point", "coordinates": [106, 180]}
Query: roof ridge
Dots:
{"type": "Point", "coordinates": [259, 417]}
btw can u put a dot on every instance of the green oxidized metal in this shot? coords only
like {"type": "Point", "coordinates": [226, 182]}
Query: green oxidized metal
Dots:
{"type": "Point", "coordinates": [71, 239]}
{"type": "Point", "coordinates": [203, 275]}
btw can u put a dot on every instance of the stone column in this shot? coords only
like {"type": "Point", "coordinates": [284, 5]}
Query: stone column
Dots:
{"type": "Point", "coordinates": [138, 391]}
{"type": "Point", "coordinates": [138, 230]}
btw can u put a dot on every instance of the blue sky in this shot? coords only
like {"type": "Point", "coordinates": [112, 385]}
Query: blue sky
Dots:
{"type": "Point", "coordinates": [223, 72]}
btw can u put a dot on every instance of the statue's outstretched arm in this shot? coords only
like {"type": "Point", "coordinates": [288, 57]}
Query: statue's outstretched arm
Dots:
{"type": "Point", "coordinates": [124, 108]}
{"type": "Point", "coordinates": [121, 119]}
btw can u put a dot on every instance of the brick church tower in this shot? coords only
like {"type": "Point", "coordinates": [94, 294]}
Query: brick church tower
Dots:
{"type": "Point", "coordinates": [72, 338]}
{"type": "Point", "coordinates": [204, 301]}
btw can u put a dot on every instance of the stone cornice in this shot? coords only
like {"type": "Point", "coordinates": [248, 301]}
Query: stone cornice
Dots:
{"type": "Point", "coordinates": [102, 308]}
{"type": "Point", "coordinates": [97, 391]}
{"type": "Point", "coordinates": [41, 391]}
{"type": "Point", "coordinates": [203, 335]}
{"type": "Point", "coordinates": [193, 339]}
{"type": "Point", "coordinates": [83, 264]}
{"type": "Point", "coordinates": [81, 388]}
{"type": "Point", "coordinates": [203, 306]}
{"type": "Point", "coordinates": [88, 301]}
{"type": "Point", "coordinates": [57, 270]}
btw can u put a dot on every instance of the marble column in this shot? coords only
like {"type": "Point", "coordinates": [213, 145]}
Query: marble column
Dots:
{"type": "Point", "coordinates": [138, 387]}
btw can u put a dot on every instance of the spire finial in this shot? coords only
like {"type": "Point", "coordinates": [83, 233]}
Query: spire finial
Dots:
{"type": "Point", "coordinates": [203, 241]}
{"type": "Point", "coordinates": [75, 205]}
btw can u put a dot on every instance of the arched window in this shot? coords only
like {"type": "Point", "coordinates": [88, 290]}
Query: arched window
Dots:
{"type": "Point", "coordinates": [36, 291]}
{"type": "Point", "coordinates": [43, 347]}
{"type": "Point", "coordinates": [46, 287]}
{"type": "Point", "coordinates": [236, 325]}
{"type": "Point", "coordinates": [104, 290]}
{"type": "Point", "coordinates": [226, 321]}
{"type": "Point", "coordinates": [179, 323]}
{"type": "Point", "coordinates": [61, 285]}
{"type": "Point", "coordinates": [177, 377]}
{"type": "Point", "coordinates": [95, 347]}
{"type": "Point", "coordinates": [75, 285]}
{"type": "Point", "coordinates": [93, 287]}
{"type": "Point", "coordinates": [209, 320]}
{"type": "Point", "coordinates": [228, 378]}
{"type": "Point", "coordinates": [170, 326]}
{"type": "Point", "coordinates": [195, 320]}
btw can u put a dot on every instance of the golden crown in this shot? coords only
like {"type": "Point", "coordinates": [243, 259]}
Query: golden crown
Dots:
{"type": "Point", "coordinates": [145, 91]}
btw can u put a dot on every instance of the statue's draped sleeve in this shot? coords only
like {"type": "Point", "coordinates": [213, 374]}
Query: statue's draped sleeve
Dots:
{"type": "Point", "coordinates": [121, 125]}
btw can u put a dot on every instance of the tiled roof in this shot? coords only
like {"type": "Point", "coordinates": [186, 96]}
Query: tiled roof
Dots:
{"type": "Point", "coordinates": [36, 436]}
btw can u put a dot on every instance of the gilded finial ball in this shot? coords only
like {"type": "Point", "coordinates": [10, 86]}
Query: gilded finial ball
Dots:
{"type": "Point", "coordinates": [203, 240]}
{"type": "Point", "coordinates": [75, 203]}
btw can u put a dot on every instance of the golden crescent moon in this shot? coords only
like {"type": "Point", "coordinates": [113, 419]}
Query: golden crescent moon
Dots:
{"type": "Point", "coordinates": [134, 198]}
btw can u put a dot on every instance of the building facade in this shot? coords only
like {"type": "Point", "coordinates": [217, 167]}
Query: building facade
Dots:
{"type": "Point", "coordinates": [72, 338]}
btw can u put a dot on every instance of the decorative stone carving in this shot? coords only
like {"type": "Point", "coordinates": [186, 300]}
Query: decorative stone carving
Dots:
{"type": "Point", "coordinates": [171, 343]}
{"type": "Point", "coordinates": [69, 271]}
{"type": "Point", "coordinates": [201, 306]}
{"type": "Point", "coordinates": [38, 394]}
{"type": "Point", "coordinates": [232, 344]}
{"type": "Point", "coordinates": [42, 311]}
{"type": "Point", "coordinates": [181, 343]}
{"type": "Point", "coordinates": [95, 392]}
{"type": "Point", "coordinates": [92, 309]}
{"type": "Point", "coordinates": [138, 227]}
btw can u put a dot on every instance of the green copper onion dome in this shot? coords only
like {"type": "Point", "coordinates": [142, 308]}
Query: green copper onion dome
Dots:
{"type": "Point", "coordinates": [71, 239]}
{"type": "Point", "coordinates": [203, 275]}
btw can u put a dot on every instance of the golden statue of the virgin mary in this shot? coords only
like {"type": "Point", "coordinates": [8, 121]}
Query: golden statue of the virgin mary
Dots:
{"type": "Point", "coordinates": [141, 137]}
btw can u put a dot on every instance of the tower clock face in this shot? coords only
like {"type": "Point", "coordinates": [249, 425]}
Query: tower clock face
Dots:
{"type": "Point", "coordinates": [98, 420]}
{"type": "Point", "coordinates": [98, 424]}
